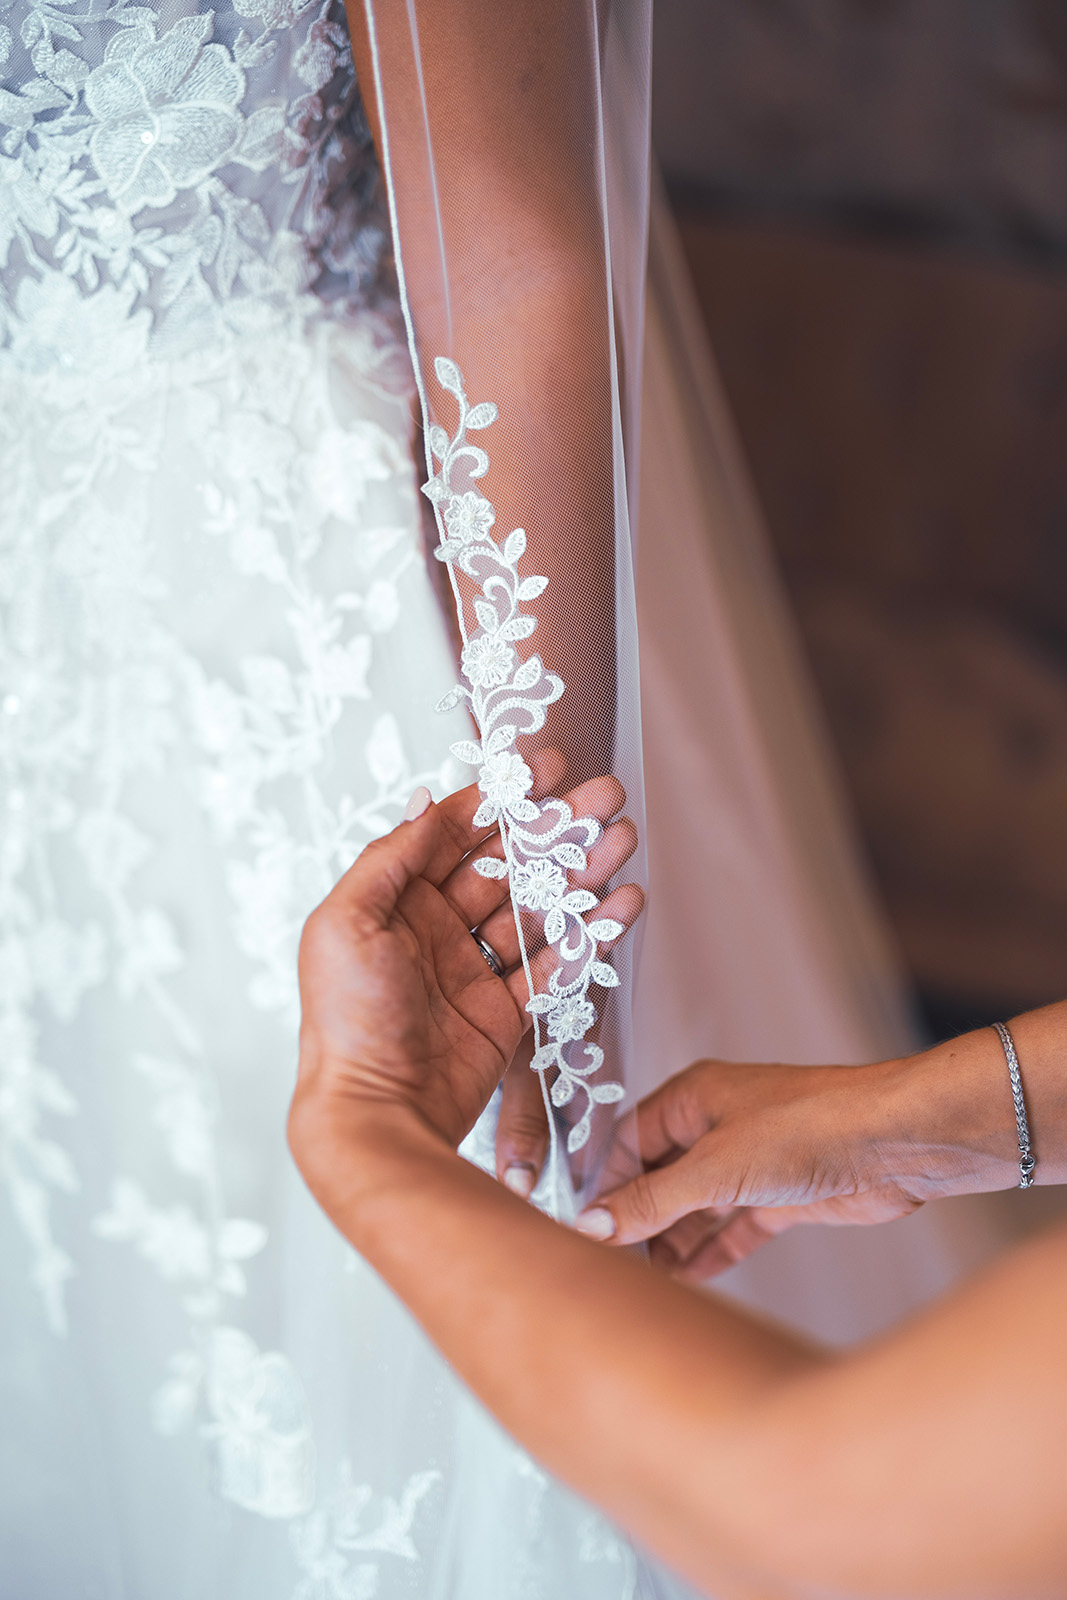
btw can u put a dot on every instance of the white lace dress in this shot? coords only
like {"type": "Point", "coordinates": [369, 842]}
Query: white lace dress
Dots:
{"type": "Point", "coordinates": [219, 654]}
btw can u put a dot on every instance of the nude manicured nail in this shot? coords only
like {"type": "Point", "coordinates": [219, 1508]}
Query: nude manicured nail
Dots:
{"type": "Point", "coordinates": [596, 1224]}
{"type": "Point", "coordinates": [520, 1180]}
{"type": "Point", "coordinates": [417, 804]}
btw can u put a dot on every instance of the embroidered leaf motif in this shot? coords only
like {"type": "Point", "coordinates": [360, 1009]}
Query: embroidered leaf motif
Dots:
{"type": "Point", "coordinates": [523, 811]}
{"type": "Point", "coordinates": [466, 750]}
{"type": "Point", "coordinates": [580, 900]}
{"type": "Point", "coordinates": [518, 627]}
{"type": "Point", "coordinates": [579, 1134]}
{"type": "Point", "coordinates": [490, 867]}
{"type": "Point", "coordinates": [605, 1093]}
{"type": "Point", "coordinates": [239, 1238]}
{"type": "Point", "coordinates": [481, 416]}
{"type": "Point", "coordinates": [515, 546]}
{"type": "Point", "coordinates": [449, 375]}
{"type": "Point", "coordinates": [501, 738]}
{"type": "Point", "coordinates": [538, 1004]}
{"type": "Point", "coordinates": [528, 674]}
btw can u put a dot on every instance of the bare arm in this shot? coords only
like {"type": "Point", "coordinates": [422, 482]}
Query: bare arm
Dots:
{"type": "Point", "coordinates": [514, 287]}
{"type": "Point", "coordinates": [738, 1152]}
{"type": "Point", "coordinates": [508, 276]}
{"type": "Point", "coordinates": [932, 1463]}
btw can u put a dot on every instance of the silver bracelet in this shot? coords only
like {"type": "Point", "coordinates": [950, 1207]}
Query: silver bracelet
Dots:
{"type": "Point", "coordinates": [1027, 1161]}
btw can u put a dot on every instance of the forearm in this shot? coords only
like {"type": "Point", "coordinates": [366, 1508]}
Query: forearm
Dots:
{"type": "Point", "coordinates": [762, 1469]}
{"type": "Point", "coordinates": [507, 274]}
{"type": "Point", "coordinates": [931, 1463]}
{"type": "Point", "coordinates": [625, 1385]}
{"type": "Point", "coordinates": [946, 1117]}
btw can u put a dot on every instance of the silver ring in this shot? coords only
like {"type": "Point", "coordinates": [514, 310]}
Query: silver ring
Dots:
{"type": "Point", "coordinates": [492, 960]}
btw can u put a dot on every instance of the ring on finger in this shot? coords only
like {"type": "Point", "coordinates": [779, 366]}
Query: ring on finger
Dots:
{"type": "Point", "coordinates": [492, 960]}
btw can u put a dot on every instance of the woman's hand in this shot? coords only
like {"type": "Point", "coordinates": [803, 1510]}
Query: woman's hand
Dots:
{"type": "Point", "coordinates": [737, 1153]}
{"type": "Point", "coordinates": [401, 1013]}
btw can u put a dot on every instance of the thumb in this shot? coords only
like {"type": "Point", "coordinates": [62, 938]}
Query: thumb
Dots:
{"type": "Point", "coordinates": [655, 1200]}
{"type": "Point", "coordinates": [382, 871]}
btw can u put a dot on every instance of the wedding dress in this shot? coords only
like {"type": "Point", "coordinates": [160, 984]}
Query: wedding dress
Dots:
{"type": "Point", "coordinates": [221, 647]}
{"type": "Point", "coordinates": [220, 654]}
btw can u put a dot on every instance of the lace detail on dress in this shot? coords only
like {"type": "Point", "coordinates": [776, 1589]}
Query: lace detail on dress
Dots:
{"type": "Point", "coordinates": [166, 177]}
{"type": "Point", "coordinates": [333, 1543]}
{"type": "Point", "coordinates": [508, 698]}
{"type": "Point", "coordinates": [189, 620]}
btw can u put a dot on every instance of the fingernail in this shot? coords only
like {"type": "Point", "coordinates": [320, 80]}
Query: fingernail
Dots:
{"type": "Point", "coordinates": [520, 1180]}
{"type": "Point", "coordinates": [417, 804]}
{"type": "Point", "coordinates": [596, 1224]}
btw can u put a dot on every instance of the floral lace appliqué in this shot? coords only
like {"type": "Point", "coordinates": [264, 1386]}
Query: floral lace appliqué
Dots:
{"type": "Point", "coordinates": [333, 1543]}
{"type": "Point", "coordinates": [182, 177]}
{"type": "Point", "coordinates": [508, 697]}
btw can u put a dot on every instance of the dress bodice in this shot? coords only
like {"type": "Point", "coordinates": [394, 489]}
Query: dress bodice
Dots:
{"type": "Point", "coordinates": [169, 172]}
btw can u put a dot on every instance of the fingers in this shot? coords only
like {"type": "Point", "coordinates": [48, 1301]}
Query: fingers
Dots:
{"type": "Point", "coordinates": [680, 1243]}
{"type": "Point", "coordinates": [458, 835]}
{"type": "Point", "coordinates": [623, 904]}
{"type": "Point", "coordinates": [654, 1201]}
{"type": "Point", "coordinates": [522, 1129]}
{"type": "Point", "coordinates": [430, 844]}
{"type": "Point", "coordinates": [372, 886]}
{"type": "Point", "coordinates": [723, 1243]}
{"type": "Point", "coordinates": [607, 856]}
{"type": "Point", "coordinates": [475, 898]}
{"type": "Point", "coordinates": [673, 1117]}
{"type": "Point", "coordinates": [457, 832]}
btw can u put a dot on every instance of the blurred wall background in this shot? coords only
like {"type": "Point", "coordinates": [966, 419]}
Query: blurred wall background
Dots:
{"type": "Point", "coordinates": [872, 195]}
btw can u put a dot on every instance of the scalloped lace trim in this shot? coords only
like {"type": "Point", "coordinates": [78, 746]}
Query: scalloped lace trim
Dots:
{"type": "Point", "coordinates": [508, 697]}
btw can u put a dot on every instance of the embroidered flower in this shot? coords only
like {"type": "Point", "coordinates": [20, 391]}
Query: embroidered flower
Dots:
{"type": "Point", "coordinates": [26, 202]}
{"type": "Point", "coordinates": [353, 1522]}
{"type": "Point", "coordinates": [538, 884]}
{"type": "Point", "coordinates": [504, 779]}
{"type": "Point", "coordinates": [469, 517]}
{"type": "Point", "coordinates": [346, 461]}
{"type": "Point", "coordinates": [166, 112]}
{"type": "Point", "coordinates": [488, 660]}
{"type": "Point", "coordinates": [54, 323]}
{"type": "Point", "coordinates": [173, 1240]}
{"type": "Point", "coordinates": [261, 1427]}
{"type": "Point", "coordinates": [272, 13]}
{"type": "Point", "coordinates": [571, 1019]}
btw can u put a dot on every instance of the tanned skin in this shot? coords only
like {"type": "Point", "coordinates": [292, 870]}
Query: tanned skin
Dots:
{"type": "Point", "coordinates": [932, 1462]}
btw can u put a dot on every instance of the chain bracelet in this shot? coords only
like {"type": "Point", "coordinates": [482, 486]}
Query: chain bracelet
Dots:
{"type": "Point", "coordinates": [1027, 1161]}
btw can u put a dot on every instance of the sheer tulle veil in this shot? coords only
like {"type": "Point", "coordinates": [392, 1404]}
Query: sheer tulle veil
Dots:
{"type": "Point", "coordinates": [520, 228]}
